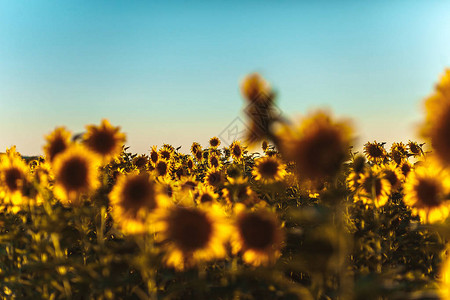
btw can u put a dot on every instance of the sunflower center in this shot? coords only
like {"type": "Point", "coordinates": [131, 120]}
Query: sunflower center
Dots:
{"type": "Point", "coordinates": [102, 142]}
{"type": "Point", "coordinates": [391, 177]}
{"type": "Point", "coordinates": [190, 229]}
{"type": "Point", "coordinates": [214, 178]}
{"type": "Point", "coordinates": [161, 167]}
{"type": "Point", "coordinates": [268, 169]}
{"type": "Point", "coordinates": [140, 161]}
{"type": "Point", "coordinates": [154, 156]}
{"type": "Point", "coordinates": [12, 178]}
{"type": "Point", "coordinates": [374, 151]}
{"type": "Point", "coordinates": [214, 162]}
{"type": "Point", "coordinates": [74, 174]}
{"type": "Point", "coordinates": [214, 142]}
{"type": "Point", "coordinates": [138, 192]}
{"type": "Point", "coordinates": [57, 146]}
{"type": "Point", "coordinates": [428, 193]}
{"type": "Point", "coordinates": [321, 154]}
{"type": "Point", "coordinates": [165, 154]}
{"type": "Point", "coordinates": [237, 151]}
{"type": "Point", "coordinates": [257, 232]}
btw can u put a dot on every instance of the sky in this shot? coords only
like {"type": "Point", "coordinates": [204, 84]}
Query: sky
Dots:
{"type": "Point", "coordinates": [169, 71]}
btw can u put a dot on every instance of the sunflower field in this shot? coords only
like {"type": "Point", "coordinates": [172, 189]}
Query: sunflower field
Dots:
{"type": "Point", "coordinates": [291, 211]}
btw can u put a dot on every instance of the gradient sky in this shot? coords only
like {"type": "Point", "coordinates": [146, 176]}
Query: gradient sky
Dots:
{"type": "Point", "coordinates": [169, 72]}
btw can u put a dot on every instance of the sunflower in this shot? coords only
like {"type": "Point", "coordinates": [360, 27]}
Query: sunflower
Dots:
{"type": "Point", "coordinates": [236, 150]}
{"type": "Point", "coordinates": [426, 192]}
{"type": "Point", "coordinates": [168, 186]}
{"type": "Point", "coordinates": [373, 187]}
{"type": "Point", "coordinates": [214, 161]}
{"type": "Point", "coordinates": [76, 172]}
{"type": "Point", "coordinates": [154, 156]}
{"type": "Point", "coordinates": [264, 145]}
{"type": "Point", "coordinates": [140, 161]}
{"type": "Point", "coordinates": [14, 179]}
{"type": "Point", "coordinates": [405, 167]}
{"type": "Point", "coordinates": [257, 235]}
{"type": "Point", "coordinates": [195, 148]}
{"type": "Point", "coordinates": [375, 152]}
{"type": "Point", "coordinates": [214, 142]}
{"type": "Point", "coordinates": [436, 127]}
{"type": "Point", "coordinates": [238, 191]}
{"type": "Point", "coordinates": [214, 177]}
{"type": "Point", "coordinates": [192, 235]}
{"type": "Point", "coordinates": [57, 142]}
{"type": "Point", "coordinates": [206, 195]}
{"type": "Point", "coordinates": [269, 169]}
{"type": "Point", "coordinates": [133, 200]}
{"type": "Point", "coordinates": [188, 183]}
{"type": "Point", "coordinates": [254, 87]}
{"type": "Point", "coordinates": [190, 164]}
{"type": "Point", "coordinates": [163, 167]}
{"type": "Point", "coordinates": [393, 174]}
{"type": "Point", "coordinates": [415, 148]}
{"type": "Point", "coordinates": [319, 147]}
{"type": "Point", "coordinates": [399, 152]}
{"type": "Point", "coordinates": [104, 140]}
{"type": "Point", "coordinates": [165, 153]}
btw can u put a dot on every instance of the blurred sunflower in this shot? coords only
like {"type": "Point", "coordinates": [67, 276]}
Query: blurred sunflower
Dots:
{"type": "Point", "coordinates": [254, 87]}
{"type": "Point", "coordinates": [206, 195]}
{"type": "Point", "coordinates": [214, 142]}
{"type": "Point", "coordinates": [319, 147]}
{"type": "Point", "coordinates": [214, 177]}
{"type": "Point", "coordinates": [192, 235]}
{"type": "Point", "coordinates": [76, 172]}
{"type": "Point", "coordinates": [14, 178]}
{"type": "Point", "coordinates": [257, 235]}
{"type": "Point", "coordinates": [133, 200]}
{"type": "Point", "coordinates": [373, 187]}
{"type": "Point", "coordinates": [444, 279]}
{"type": "Point", "coordinates": [104, 140]}
{"type": "Point", "coordinates": [436, 127]}
{"type": "Point", "coordinates": [427, 192]}
{"type": "Point", "coordinates": [188, 183]}
{"type": "Point", "coordinates": [269, 169]}
{"type": "Point", "coordinates": [238, 191]}
{"type": "Point", "coordinates": [393, 174]}
{"type": "Point", "coordinates": [236, 150]}
{"type": "Point", "coordinates": [57, 142]}
{"type": "Point", "coordinates": [405, 167]}
{"type": "Point", "coordinates": [375, 152]}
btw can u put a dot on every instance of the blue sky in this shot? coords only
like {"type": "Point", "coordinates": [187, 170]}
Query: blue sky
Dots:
{"type": "Point", "coordinates": [170, 72]}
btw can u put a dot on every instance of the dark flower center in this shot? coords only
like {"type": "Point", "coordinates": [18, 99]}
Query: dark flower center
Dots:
{"type": "Point", "coordinates": [74, 174]}
{"type": "Point", "coordinates": [428, 193]}
{"type": "Point", "coordinates": [102, 142]}
{"type": "Point", "coordinates": [256, 231]}
{"type": "Point", "coordinates": [190, 229]}
{"type": "Point", "coordinates": [12, 179]}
